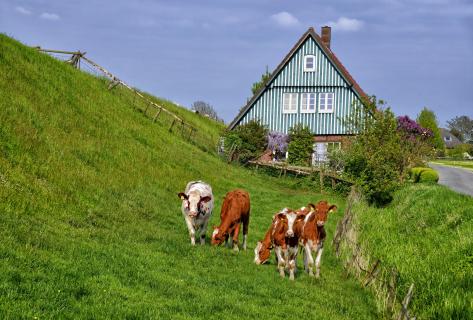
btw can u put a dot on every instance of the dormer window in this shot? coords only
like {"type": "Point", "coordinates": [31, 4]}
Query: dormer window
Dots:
{"type": "Point", "coordinates": [309, 63]}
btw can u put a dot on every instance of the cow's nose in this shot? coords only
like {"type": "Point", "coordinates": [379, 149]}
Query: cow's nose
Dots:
{"type": "Point", "coordinates": [192, 213]}
{"type": "Point", "coordinates": [320, 223]}
{"type": "Point", "coordinates": [289, 233]}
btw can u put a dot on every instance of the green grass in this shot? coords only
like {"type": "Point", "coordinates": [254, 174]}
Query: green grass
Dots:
{"type": "Point", "coordinates": [427, 234]}
{"type": "Point", "coordinates": [90, 223]}
{"type": "Point", "coordinates": [467, 164]}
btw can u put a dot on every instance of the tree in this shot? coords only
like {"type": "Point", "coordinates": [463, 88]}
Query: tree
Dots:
{"type": "Point", "coordinates": [462, 128]}
{"type": "Point", "coordinates": [205, 109]}
{"type": "Point", "coordinates": [428, 120]}
{"type": "Point", "coordinates": [301, 145]}
{"type": "Point", "coordinates": [258, 85]}
{"type": "Point", "coordinates": [380, 156]}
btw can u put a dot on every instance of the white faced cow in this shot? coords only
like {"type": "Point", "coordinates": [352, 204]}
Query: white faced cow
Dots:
{"type": "Point", "coordinates": [197, 205]}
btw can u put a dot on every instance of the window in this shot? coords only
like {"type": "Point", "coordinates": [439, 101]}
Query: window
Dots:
{"type": "Point", "coordinates": [322, 151]}
{"type": "Point", "coordinates": [308, 103]}
{"type": "Point", "coordinates": [326, 102]}
{"type": "Point", "coordinates": [448, 138]}
{"type": "Point", "coordinates": [289, 103]}
{"type": "Point", "coordinates": [309, 63]}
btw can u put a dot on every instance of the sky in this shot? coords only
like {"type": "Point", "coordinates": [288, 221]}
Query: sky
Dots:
{"type": "Point", "coordinates": [410, 53]}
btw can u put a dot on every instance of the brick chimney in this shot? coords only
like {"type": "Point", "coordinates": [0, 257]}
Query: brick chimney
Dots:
{"type": "Point", "coordinates": [326, 33]}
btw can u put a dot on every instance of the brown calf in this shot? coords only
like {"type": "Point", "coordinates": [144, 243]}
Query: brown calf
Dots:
{"type": "Point", "coordinates": [235, 211]}
{"type": "Point", "coordinates": [312, 234]}
{"type": "Point", "coordinates": [275, 238]}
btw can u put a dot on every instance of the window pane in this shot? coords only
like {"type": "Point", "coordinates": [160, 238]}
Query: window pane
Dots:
{"type": "Point", "coordinates": [286, 101]}
{"type": "Point", "coordinates": [304, 102]}
{"type": "Point", "coordinates": [294, 101]}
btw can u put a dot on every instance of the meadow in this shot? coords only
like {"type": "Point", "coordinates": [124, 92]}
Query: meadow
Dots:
{"type": "Point", "coordinates": [90, 221]}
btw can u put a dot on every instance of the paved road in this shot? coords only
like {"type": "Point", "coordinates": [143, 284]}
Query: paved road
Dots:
{"type": "Point", "coordinates": [459, 179]}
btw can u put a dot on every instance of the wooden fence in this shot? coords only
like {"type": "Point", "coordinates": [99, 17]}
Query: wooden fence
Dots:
{"type": "Point", "coordinates": [304, 171]}
{"type": "Point", "coordinates": [142, 103]}
{"type": "Point", "coordinates": [370, 270]}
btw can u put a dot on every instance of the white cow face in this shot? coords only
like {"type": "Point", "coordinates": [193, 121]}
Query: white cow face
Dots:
{"type": "Point", "coordinates": [193, 202]}
{"type": "Point", "coordinates": [292, 219]}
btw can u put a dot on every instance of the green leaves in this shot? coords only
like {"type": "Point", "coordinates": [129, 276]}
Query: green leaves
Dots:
{"type": "Point", "coordinates": [300, 145]}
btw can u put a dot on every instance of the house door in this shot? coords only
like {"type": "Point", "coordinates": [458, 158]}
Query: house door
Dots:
{"type": "Point", "coordinates": [320, 153]}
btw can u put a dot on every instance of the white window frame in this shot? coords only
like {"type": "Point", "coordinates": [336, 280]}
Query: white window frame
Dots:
{"type": "Point", "coordinates": [323, 101]}
{"type": "Point", "coordinates": [293, 102]}
{"type": "Point", "coordinates": [305, 63]}
{"type": "Point", "coordinates": [305, 99]}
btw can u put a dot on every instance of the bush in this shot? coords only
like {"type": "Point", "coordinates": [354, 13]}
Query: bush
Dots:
{"type": "Point", "coordinates": [248, 140]}
{"type": "Point", "coordinates": [421, 174]}
{"type": "Point", "coordinates": [429, 176]}
{"type": "Point", "coordinates": [415, 173]}
{"type": "Point", "coordinates": [301, 145]}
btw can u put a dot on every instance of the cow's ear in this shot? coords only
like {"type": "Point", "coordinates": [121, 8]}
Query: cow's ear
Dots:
{"type": "Point", "coordinates": [182, 195]}
{"type": "Point", "coordinates": [311, 206]}
{"type": "Point", "coordinates": [280, 216]}
{"type": "Point", "coordinates": [332, 208]}
{"type": "Point", "coordinates": [205, 199]}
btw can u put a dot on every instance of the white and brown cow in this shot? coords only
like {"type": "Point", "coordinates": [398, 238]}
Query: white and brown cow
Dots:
{"type": "Point", "coordinates": [312, 234]}
{"type": "Point", "coordinates": [235, 212]}
{"type": "Point", "coordinates": [275, 238]}
{"type": "Point", "coordinates": [197, 204]}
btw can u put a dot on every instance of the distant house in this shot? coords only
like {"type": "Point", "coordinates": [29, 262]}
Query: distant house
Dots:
{"type": "Point", "coordinates": [310, 86]}
{"type": "Point", "coordinates": [450, 140]}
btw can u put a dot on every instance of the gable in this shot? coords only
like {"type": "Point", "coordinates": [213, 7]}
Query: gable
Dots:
{"type": "Point", "coordinates": [293, 74]}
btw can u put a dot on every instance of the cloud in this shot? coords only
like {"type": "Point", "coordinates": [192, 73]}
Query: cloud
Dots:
{"type": "Point", "coordinates": [346, 24]}
{"type": "Point", "coordinates": [49, 16]}
{"type": "Point", "coordinates": [285, 19]}
{"type": "Point", "coordinates": [23, 11]}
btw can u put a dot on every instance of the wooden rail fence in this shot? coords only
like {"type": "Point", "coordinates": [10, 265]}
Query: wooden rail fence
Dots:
{"type": "Point", "coordinates": [304, 171]}
{"type": "Point", "coordinates": [77, 57]}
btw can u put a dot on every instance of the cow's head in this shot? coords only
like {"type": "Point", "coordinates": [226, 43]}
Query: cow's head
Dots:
{"type": "Point", "coordinates": [217, 236]}
{"type": "Point", "coordinates": [293, 218]}
{"type": "Point", "coordinates": [322, 209]}
{"type": "Point", "coordinates": [278, 231]}
{"type": "Point", "coordinates": [262, 253]}
{"type": "Point", "coordinates": [193, 202]}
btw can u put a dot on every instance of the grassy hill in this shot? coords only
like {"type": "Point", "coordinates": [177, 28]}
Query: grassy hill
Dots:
{"type": "Point", "coordinates": [426, 233]}
{"type": "Point", "coordinates": [90, 223]}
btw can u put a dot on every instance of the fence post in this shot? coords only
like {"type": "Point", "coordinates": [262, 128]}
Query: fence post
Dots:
{"type": "Point", "coordinates": [405, 304]}
{"type": "Point", "coordinates": [157, 114]}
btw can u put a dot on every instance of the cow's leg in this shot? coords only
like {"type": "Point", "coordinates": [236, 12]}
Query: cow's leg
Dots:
{"type": "Point", "coordinates": [305, 260]}
{"type": "Point", "coordinates": [292, 253]}
{"type": "Point", "coordinates": [226, 240]}
{"type": "Point", "coordinates": [191, 229]}
{"type": "Point", "coordinates": [281, 263]}
{"type": "Point", "coordinates": [246, 222]}
{"type": "Point", "coordinates": [318, 259]}
{"type": "Point", "coordinates": [203, 231]}
{"type": "Point", "coordinates": [236, 232]}
{"type": "Point", "coordinates": [310, 259]}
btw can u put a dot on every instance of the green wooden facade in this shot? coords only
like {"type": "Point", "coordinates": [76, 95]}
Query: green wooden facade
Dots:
{"type": "Point", "coordinates": [329, 76]}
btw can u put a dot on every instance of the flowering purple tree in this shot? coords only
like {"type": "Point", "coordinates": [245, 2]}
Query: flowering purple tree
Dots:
{"type": "Point", "coordinates": [416, 138]}
{"type": "Point", "coordinates": [277, 142]}
{"type": "Point", "coordinates": [412, 130]}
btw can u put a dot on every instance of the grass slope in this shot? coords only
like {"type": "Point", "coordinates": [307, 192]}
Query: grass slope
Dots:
{"type": "Point", "coordinates": [426, 233]}
{"type": "Point", "coordinates": [90, 224]}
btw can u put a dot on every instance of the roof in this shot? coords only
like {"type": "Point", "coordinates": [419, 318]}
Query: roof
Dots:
{"type": "Point", "coordinates": [329, 54]}
{"type": "Point", "coordinates": [452, 140]}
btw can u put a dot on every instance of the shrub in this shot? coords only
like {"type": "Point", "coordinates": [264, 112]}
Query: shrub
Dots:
{"type": "Point", "coordinates": [301, 145]}
{"type": "Point", "coordinates": [375, 159]}
{"type": "Point", "coordinates": [429, 176]}
{"type": "Point", "coordinates": [250, 140]}
{"type": "Point", "coordinates": [415, 173]}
